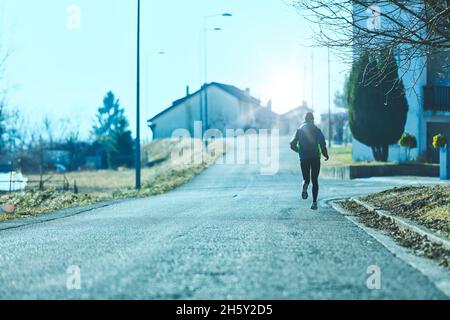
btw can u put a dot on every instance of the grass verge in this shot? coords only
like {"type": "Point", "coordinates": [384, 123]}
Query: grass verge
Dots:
{"type": "Point", "coordinates": [426, 206]}
{"type": "Point", "coordinates": [178, 161]}
{"type": "Point", "coordinates": [341, 156]}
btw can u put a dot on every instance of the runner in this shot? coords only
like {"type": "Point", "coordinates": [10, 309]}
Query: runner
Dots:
{"type": "Point", "coordinates": [309, 143]}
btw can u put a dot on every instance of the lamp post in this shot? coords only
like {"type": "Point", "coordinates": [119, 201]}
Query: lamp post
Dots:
{"type": "Point", "coordinates": [330, 135]}
{"type": "Point", "coordinates": [138, 106]}
{"type": "Point", "coordinates": [205, 63]}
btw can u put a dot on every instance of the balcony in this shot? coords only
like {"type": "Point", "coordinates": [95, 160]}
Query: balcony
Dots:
{"type": "Point", "coordinates": [437, 98]}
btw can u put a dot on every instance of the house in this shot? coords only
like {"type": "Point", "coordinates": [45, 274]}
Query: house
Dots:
{"type": "Point", "coordinates": [429, 114]}
{"type": "Point", "coordinates": [291, 120]}
{"type": "Point", "coordinates": [427, 83]}
{"type": "Point", "coordinates": [340, 129]}
{"type": "Point", "coordinates": [228, 107]}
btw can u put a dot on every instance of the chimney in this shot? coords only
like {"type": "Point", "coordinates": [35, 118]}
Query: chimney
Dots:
{"type": "Point", "coordinates": [247, 90]}
{"type": "Point", "coordinates": [187, 91]}
{"type": "Point", "coordinates": [269, 104]}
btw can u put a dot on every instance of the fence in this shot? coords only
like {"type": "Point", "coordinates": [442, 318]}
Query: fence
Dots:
{"type": "Point", "coordinates": [45, 182]}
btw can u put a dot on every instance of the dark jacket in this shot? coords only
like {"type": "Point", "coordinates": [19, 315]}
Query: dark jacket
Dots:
{"type": "Point", "coordinates": [309, 142]}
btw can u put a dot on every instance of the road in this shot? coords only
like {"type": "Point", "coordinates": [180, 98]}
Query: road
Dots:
{"type": "Point", "coordinates": [231, 233]}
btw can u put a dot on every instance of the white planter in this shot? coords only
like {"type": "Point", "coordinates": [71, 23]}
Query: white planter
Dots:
{"type": "Point", "coordinates": [444, 169]}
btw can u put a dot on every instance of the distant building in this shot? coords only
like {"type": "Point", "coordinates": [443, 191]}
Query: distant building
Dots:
{"type": "Point", "coordinates": [228, 108]}
{"type": "Point", "coordinates": [291, 121]}
{"type": "Point", "coordinates": [428, 95]}
{"type": "Point", "coordinates": [340, 129]}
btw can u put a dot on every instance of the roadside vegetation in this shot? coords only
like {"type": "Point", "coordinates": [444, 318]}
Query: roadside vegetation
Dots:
{"type": "Point", "coordinates": [342, 156]}
{"type": "Point", "coordinates": [425, 206]}
{"type": "Point", "coordinates": [164, 172]}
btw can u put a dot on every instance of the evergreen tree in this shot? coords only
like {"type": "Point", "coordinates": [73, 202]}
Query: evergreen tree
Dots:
{"type": "Point", "coordinates": [111, 130]}
{"type": "Point", "coordinates": [395, 105]}
{"type": "Point", "coordinates": [377, 103]}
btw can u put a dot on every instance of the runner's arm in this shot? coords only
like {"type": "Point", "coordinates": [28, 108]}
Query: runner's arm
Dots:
{"type": "Point", "coordinates": [294, 142]}
{"type": "Point", "coordinates": [323, 145]}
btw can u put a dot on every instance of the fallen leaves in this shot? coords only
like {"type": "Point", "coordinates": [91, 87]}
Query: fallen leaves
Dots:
{"type": "Point", "coordinates": [428, 206]}
{"type": "Point", "coordinates": [419, 244]}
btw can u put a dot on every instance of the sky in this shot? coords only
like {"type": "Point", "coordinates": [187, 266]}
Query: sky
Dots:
{"type": "Point", "coordinates": [58, 70]}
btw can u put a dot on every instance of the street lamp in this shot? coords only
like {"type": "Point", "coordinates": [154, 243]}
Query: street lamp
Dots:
{"type": "Point", "coordinates": [138, 100]}
{"type": "Point", "coordinates": [138, 106]}
{"type": "Point", "coordinates": [205, 37]}
{"type": "Point", "coordinates": [330, 128]}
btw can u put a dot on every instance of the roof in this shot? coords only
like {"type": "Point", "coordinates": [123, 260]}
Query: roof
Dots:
{"type": "Point", "coordinates": [299, 110]}
{"type": "Point", "coordinates": [232, 90]}
{"type": "Point", "coordinates": [238, 93]}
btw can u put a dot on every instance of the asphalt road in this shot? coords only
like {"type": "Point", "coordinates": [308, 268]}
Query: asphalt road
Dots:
{"type": "Point", "coordinates": [231, 233]}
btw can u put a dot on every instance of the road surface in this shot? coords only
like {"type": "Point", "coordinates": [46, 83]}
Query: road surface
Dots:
{"type": "Point", "coordinates": [231, 233]}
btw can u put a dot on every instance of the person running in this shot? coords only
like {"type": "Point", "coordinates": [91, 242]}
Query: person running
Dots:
{"type": "Point", "coordinates": [309, 143]}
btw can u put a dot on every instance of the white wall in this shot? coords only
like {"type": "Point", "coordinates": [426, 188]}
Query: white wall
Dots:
{"type": "Point", "coordinates": [363, 153]}
{"type": "Point", "coordinates": [414, 79]}
{"type": "Point", "coordinates": [414, 75]}
{"type": "Point", "coordinates": [225, 111]}
{"type": "Point", "coordinates": [182, 116]}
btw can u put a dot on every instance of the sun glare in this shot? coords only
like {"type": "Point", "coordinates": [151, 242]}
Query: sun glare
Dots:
{"type": "Point", "coordinates": [285, 91]}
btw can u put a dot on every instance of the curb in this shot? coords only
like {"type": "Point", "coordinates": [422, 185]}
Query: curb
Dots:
{"type": "Point", "coordinates": [51, 216]}
{"type": "Point", "coordinates": [436, 274]}
{"type": "Point", "coordinates": [407, 224]}
{"type": "Point", "coordinates": [355, 171]}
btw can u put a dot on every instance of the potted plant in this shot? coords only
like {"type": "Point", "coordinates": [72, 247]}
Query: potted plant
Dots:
{"type": "Point", "coordinates": [441, 142]}
{"type": "Point", "coordinates": [408, 141]}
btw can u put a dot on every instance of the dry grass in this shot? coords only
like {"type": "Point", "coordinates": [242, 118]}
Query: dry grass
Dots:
{"type": "Point", "coordinates": [107, 182]}
{"type": "Point", "coordinates": [339, 156]}
{"type": "Point", "coordinates": [419, 244]}
{"type": "Point", "coordinates": [342, 156]}
{"type": "Point", "coordinates": [429, 206]}
{"type": "Point", "coordinates": [32, 203]}
{"type": "Point", "coordinates": [181, 160]}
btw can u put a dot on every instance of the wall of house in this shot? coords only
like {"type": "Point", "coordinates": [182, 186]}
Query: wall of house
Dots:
{"type": "Point", "coordinates": [414, 78]}
{"type": "Point", "coordinates": [439, 69]}
{"type": "Point", "coordinates": [225, 111]}
{"type": "Point", "coordinates": [182, 116]}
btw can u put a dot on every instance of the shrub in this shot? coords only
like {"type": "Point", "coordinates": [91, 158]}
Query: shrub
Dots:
{"type": "Point", "coordinates": [439, 141]}
{"type": "Point", "coordinates": [408, 140]}
{"type": "Point", "coordinates": [377, 103]}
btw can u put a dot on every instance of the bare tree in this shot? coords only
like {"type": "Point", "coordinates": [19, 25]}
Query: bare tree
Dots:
{"type": "Point", "coordinates": [409, 29]}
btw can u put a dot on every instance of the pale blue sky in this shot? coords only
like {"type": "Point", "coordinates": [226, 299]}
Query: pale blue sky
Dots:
{"type": "Point", "coordinates": [65, 73]}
